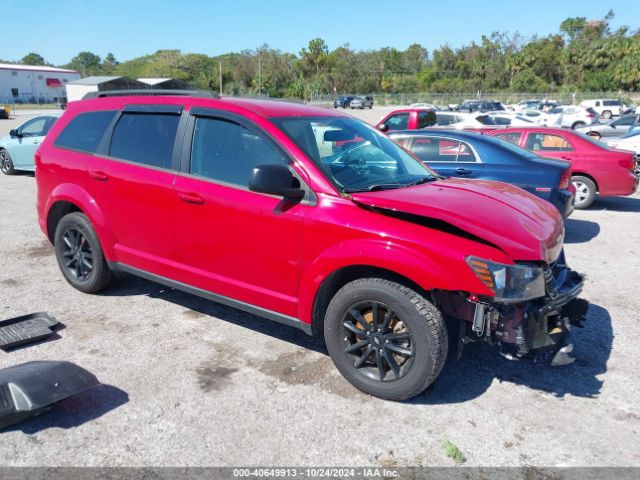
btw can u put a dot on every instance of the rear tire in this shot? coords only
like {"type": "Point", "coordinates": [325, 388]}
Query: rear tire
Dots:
{"type": "Point", "coordinates": [595, 135]}
{"type": "Point", "coordinates": [585, 192]}
{"type": "Point", "coordinates": [385, 339]}
{"type": "Point", "coordinates": [606, 114]}
{"type": "Point", "coordinates": [6, 163]}
{"type": "Point", "coordinates": [577, 124]}
{"type": "Point", "coordinates": [80, 255]}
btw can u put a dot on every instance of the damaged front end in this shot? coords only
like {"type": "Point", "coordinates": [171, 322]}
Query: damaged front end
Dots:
{"type": "Point", "coordinates": [531, 315]}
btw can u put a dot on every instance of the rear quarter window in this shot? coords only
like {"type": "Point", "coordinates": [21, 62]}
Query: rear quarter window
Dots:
{"type": "Point", "coordinates": [85, 131]}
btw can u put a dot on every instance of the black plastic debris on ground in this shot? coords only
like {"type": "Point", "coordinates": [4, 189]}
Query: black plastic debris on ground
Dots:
{"type": "Point", "coordinates": [31, 328]}
{"type": "Point", "coordinates": [31, 388]}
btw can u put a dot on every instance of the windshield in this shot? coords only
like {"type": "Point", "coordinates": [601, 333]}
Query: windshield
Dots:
{"type": "Point", "coordinates": [354, 156]}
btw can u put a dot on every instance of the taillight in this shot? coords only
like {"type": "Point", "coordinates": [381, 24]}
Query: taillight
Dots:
{"type": "Point", "coordinates": [565, 180]}
{"type": "Point", "coordinates": [591, 115]}
{"type": "Point", "coordinates": [627, 162]}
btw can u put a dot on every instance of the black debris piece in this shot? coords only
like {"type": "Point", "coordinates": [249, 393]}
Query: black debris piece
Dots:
{"type": "Point", "coordinates": [31, 388]}
{"type": "Point", "coordinates": [31, 328]}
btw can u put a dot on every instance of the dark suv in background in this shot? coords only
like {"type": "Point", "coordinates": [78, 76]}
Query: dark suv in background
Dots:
{"type": "Point", "coordinates": [479, 106]}
{"type": "Point", "coordinates": [342, 102]}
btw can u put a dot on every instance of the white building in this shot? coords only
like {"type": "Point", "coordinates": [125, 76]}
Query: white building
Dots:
{"type": "Point", "coordinates": [77, 89]}
{"type": "Point", "coordinates": [33, 84]}
{"type": "Point", "coordinates": [165, 83]}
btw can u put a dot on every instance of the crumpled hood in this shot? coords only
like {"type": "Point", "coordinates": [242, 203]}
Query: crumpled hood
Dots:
{"type": "Point", "coordinates": [524, 226]}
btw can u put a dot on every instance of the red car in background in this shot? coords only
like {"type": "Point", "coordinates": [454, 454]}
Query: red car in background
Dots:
{"type": "Point", "coordinates": [597, 170]}
{"type": "Point", "coordinates": [407, 119]}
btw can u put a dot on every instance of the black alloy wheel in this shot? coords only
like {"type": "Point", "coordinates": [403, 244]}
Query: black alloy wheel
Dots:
{"type": "Point", "coordinates": [378, 340]}
{"type": "Point", "coordinates": [77, 253]}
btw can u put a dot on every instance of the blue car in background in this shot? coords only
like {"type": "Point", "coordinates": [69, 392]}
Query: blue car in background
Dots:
{"type": "Point", "coordinates": [455, 153]}
{"type": "Point", "coordinates": [19, 147]}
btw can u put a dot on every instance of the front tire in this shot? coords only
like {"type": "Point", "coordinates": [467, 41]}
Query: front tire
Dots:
{"type": "Point", "coordinates": [385, 339]}
{"type": "Point", "coordinates": [606, 114]}
{"type": "Point", "coordinates": [586, 192]}
{"type": "Point", "coordinates": [80, 255]}
{"type": "Point", "coordinates": [6, 163]}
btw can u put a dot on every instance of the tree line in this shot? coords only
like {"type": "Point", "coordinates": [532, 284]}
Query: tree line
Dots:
{"type": "Point", "coordinates": [584, 55]}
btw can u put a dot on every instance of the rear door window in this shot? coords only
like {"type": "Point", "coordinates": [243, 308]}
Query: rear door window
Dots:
{"type": "Point", "coordinates": [85, 131]}
{"type": "Point", "coordinates": [145, 138]}
{"type": "Point", "coordinates": [548, 143]}
{"type": "Point", "coordinates": [444, 150]}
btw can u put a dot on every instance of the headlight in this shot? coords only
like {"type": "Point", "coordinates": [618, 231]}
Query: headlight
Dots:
{"type": "Point", "coordinates": [509, 283]}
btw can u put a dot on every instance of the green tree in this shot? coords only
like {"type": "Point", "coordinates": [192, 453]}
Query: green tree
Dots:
{"type": "Point", "coordinates": [86, 63]}
{"type": "Point", "coordinates": [33, 59]}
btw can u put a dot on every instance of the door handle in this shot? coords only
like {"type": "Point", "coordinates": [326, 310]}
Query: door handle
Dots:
{"type": "Point", "coordinates": [463, 171]}
{"type": "Point", "coordinates": [192, 198]}
{"type": "Point", "coordinates": [566, 158]}
{"type": "Point", "coordinates": [100, 176]}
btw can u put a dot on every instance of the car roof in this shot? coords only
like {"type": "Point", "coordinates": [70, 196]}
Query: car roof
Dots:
{"type": "Point", "coordinates": [263, 107]}
{"type": "Point", "coordinates": [439, 131]}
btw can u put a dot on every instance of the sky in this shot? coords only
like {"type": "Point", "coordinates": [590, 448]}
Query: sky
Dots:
{"type": "Point", "coordinates": [59, 29]}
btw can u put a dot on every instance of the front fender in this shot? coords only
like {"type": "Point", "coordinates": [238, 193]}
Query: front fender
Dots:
{"type": "Point", "coordinates": [377, 253]}
{"type": "Point", "coordinates": [68, 192]}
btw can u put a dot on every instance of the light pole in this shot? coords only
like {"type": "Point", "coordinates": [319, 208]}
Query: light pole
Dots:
{"type": "Point", "coordinates": [220, 71]}
{"type": "Point", "coordinates": [260, 72]}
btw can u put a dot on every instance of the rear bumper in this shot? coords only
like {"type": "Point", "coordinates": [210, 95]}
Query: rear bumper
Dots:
{"type": "Point", "coordinates": [563, 201]}
{"type": "Point", "coordinates": [625, 184]}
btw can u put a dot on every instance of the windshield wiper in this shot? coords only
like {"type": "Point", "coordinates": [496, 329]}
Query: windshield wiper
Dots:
{"type": "Point", "coordinates": [421, 181]}
{"type": "Point", "coordinates": [375, 187]}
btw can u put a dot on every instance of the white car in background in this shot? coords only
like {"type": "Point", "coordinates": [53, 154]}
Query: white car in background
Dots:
{"type": "Point", "coordinates": [605, 107]}
{"type": "Point", "coordinates": [570, 116]}
{"type": "Point", "coordinates": [423, 105]}
{"type": "Point", "coordinates": [461, 120]}
{"type": "Point", "coordinates": [630, 141]}
{"type": "Point", "coordinates": [512, 119]}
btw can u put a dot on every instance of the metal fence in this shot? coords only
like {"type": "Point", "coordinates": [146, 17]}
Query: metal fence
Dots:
{"type": "Point", "coordinates": [504, 97]}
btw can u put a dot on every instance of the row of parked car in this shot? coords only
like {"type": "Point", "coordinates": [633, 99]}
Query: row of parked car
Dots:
{"type": "Point", "coordinates": [360, 101]}
{"type": "Point", "coordinates": [312, 218]}
{"type": "Point", "coordinates": [597, 169]}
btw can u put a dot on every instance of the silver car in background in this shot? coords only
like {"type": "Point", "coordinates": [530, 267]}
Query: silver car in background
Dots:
{"type": "Point", "coordinates": [614, 128]}
{"type": "Point", "coordinates": [362, 101]}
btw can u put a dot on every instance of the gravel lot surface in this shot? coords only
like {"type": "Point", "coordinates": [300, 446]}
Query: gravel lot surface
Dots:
{"type": "Point", "coordinates": [187, 382]}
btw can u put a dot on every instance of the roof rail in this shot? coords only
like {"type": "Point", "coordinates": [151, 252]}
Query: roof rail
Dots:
{"type": "Point", "coordinates": [151, 92]}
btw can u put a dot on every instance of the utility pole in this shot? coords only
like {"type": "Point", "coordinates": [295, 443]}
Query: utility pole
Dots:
{"type": "Point", "coordinates": [260, 72]}
{"type": "Point", "coordinates": [220, 65]}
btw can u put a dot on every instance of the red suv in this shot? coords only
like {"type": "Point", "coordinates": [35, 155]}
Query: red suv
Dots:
{"type": "Point", "coordinates": [308, 217]}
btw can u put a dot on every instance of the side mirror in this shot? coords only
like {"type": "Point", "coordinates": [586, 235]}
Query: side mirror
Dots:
{"type": "Point", "coordinates": [14, 133]}
{"type": "Point", "coordinates": [275, 180]}
{"type": "Point", "coordinates": [383, 127]}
